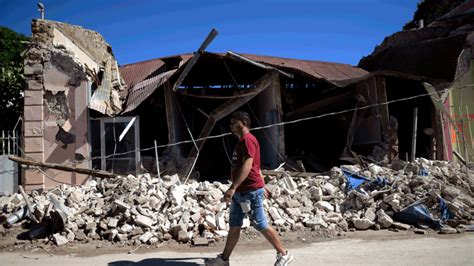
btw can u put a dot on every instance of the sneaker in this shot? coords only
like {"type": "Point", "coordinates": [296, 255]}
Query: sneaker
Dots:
{"type": "Point", "coordinates": [219, 261]}
{"type": "Point", "coordinates": [283, 260]}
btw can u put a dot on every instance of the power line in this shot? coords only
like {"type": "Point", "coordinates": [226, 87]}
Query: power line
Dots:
{"type": "Point", "coordinates": [273, 125]}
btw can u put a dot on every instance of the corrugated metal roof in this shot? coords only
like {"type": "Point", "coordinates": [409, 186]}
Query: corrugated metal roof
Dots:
{"type": "Point", "coordinates": [136, 72]}
{"type": "Point", "coordinates": [331, 72]}
{"type": "Point", "coordinates": [141, 85]}
{"type": "Point", "coordinates": [142, 90]}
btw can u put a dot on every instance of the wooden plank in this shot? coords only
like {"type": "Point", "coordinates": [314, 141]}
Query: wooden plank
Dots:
{"type": "Point", "coordinates": [225, 109]}
{"type": "Point", "coordinates": [279, 107]}
{"type": "Point", "coordinates": [97, 173]}
{"type": "Point", "coordinates": [193, 60]}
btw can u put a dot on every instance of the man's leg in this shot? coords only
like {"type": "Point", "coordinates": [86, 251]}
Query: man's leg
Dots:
{"type": "Point", "coordinates": [272, 237]}
{"type": "Point", "coordinates": [232, 239]}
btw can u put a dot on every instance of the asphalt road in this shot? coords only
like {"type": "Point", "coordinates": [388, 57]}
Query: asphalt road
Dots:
{"type": "Point", "coordinates": [455, 250]}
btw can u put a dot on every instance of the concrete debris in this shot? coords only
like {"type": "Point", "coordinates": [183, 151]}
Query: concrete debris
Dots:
{"type": "Point", "coordinates": [362, 224]}
{"type": "Point", "coordinates": [59, 239]}
{"type": "Point", "coordinates": [141, 209]}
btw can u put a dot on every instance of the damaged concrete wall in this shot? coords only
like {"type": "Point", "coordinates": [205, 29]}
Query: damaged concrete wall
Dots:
{"type": "Point", "coordinates": [60, 66]}
{"type": "Point", "coordinates": [461, 103]}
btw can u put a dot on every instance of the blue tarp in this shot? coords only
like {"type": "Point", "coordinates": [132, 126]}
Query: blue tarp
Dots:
{"type": "Point", "coordinates": [445, 215]}
{"type": "Point", "coordinates": [417, 214]}
{"type": "Point", "coordinates": [353, 180]}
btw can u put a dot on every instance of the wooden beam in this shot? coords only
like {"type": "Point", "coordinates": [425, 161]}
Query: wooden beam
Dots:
{"type": "Point", "coordinates": [97, 173]}
{"type": "Point", "coordinates": [193, 60]}
{"type": "Point", "coordinates": [225, 109]}
{"type": "Point", "coordinates": [330, 101]}
{"type": "Point", "coordinates": [383, 109]}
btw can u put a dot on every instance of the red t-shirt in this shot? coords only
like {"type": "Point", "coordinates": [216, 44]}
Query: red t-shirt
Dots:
{"type": "Point", "coordinates": [247, 147]}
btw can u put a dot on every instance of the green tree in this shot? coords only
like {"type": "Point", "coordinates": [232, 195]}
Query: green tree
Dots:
{"type": "Point", "coordinates": [430, 10]}
{"type": "Point", "coordinates": [12, 82]}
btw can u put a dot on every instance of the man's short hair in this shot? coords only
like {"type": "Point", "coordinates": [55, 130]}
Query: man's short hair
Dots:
{"type": "Point", "coordinates": [242, 117]}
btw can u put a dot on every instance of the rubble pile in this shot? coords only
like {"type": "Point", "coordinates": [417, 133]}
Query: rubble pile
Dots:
{"type": "Point", "coordinates": [140, 209]}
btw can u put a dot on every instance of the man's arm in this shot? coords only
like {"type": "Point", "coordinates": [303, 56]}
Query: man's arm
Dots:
{"type": "Point", "coordinates": [243, 174]}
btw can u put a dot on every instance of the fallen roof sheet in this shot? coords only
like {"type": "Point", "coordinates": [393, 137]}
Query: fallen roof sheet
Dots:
{"type": "Point", "coordinates": [144, 89]}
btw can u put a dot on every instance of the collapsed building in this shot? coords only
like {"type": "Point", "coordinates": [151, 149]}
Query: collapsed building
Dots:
{"type": "Point", "coordinates": [84, 110]}
{"type": "Point", "coordinates": [91, 117]}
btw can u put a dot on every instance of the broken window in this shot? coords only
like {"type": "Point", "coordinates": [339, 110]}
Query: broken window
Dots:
{"type": "Point", "coordinates": [119, 144]}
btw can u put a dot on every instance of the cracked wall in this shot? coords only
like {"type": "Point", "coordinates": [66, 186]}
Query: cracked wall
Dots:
{"type": "Point", "coordinates": [57, 69]}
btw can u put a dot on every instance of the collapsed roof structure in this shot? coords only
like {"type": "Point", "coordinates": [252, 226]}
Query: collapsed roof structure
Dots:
{"type": "Point", "coordinates": [83, 110]}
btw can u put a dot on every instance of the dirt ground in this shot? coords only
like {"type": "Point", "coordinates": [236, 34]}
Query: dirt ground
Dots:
{"type": "Point", "coordinates": [353, 248]}
{"type": "Point", "coordinates": [250, 240]}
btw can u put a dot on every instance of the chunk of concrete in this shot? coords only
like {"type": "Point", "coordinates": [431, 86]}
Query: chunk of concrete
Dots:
{"type": "Point", "coordinates": [401, 226]}
{"type": "Point", "coordinates": [143, 221]}
{"type": "Point", "coordinates": [324, 205]}
{"type": "Point", "coordinates": [59, 240]}
{"type": "Point", "coordinates": [383, 219]}
{"type": "Point", "coordinates": [362, 224]}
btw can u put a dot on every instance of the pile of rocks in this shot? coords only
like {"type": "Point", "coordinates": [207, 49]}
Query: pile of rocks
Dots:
{"type": "Point", "coordinates": [140, 209]}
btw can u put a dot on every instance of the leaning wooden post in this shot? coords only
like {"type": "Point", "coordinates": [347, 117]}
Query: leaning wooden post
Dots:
{"type": "Point", "coordinates": [413, 139]}
{"type": "Point", "coordinates": [157, 161]}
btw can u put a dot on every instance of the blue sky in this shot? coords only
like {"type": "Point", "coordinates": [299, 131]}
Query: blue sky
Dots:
{"type": "Point", "coordinates": [334, 31]}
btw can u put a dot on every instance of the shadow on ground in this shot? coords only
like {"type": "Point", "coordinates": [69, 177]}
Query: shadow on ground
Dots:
{"type": "Point", "coordinates": [158, 261]}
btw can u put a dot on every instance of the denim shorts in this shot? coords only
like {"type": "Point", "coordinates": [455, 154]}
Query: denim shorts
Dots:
{"type": "Point", "coordinates": [257, 213]}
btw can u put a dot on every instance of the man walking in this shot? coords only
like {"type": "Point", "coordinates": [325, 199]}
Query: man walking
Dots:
{"type": "Point", "coordinates": [246, 194]}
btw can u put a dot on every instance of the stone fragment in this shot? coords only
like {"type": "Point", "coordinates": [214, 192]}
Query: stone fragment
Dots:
{"type": "Point", "coordinates": [447, 230]}
{"type": "Point", "coordinates": [329, 188]}
{"type": "Point", "coordinates": [324, 205]}
{"type": "Point", "coordinates": [295, 212]}
{"type": "Point", "coordinates": [112, 223]}
{"type": "Point", "coordinates": [59, 240]}
{"type": "Point", "coordinates": [362, 224]}
{"type": "Point", "coordinates": [183, 236]}
{"type": "Point", "coordinates": [200, 241]}
{"type": "Point", "coordinates": [383, 219]}
{"type": "Point", "coordinates": [80, 236]}
{"type": "Point", "coordinates": [316, 220]}
{"type": "Point", "coordinates": [401, 226]}
{"type": "Point", "coordinates": [145, 237]}
{"type": "Point", "coordinates": [370, 214]}
{"type": "Point", "coordinates": [143, 221]}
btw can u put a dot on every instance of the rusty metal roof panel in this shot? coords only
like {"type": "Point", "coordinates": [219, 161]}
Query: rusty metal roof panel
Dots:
{"type": "Point", "coordinates": [142, 90]}
{"type": "Point", "coordinates": [331, 72]}
{"type": "Point", "coordinates": [134, 73]}
{"type": "Point", "coordinates": [143, 78]}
